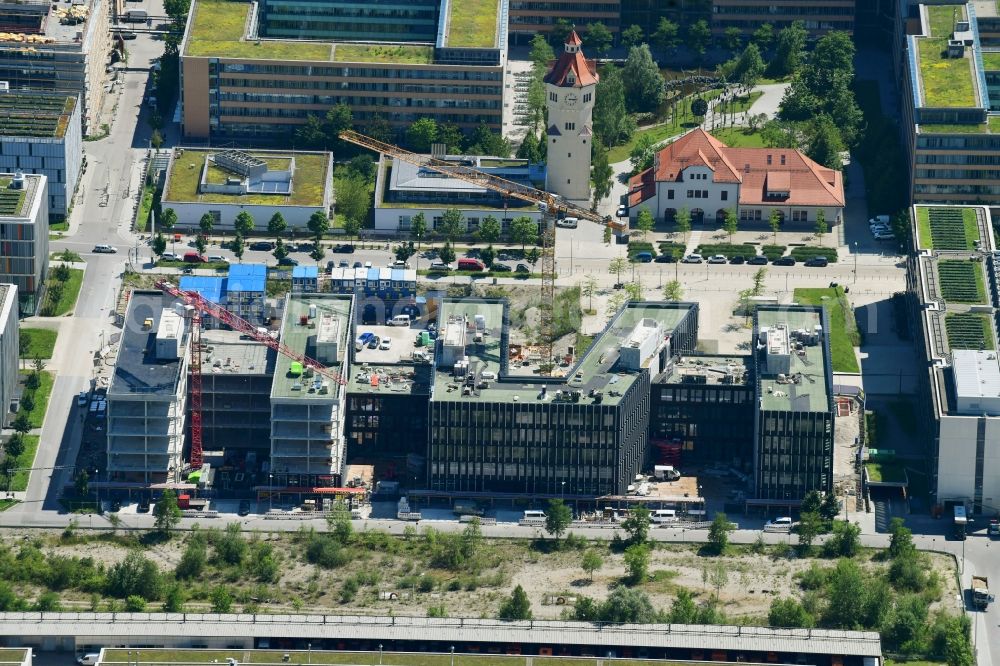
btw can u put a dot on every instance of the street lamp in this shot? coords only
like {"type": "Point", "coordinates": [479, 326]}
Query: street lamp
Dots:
{"type": "Point", "coordinates": [855, 262]}
{"type": "Point", "coordinates": [270, 492]}
{"type": "Point", "coordinates": [452, 655]}
{"type": "Point", "coordinates": [309, 652]}
{"type": "Point", "coordinates": [380, 654]}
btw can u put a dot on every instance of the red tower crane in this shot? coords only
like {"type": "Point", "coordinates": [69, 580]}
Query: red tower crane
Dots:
{"type": "Point", "coordinates": [205, 307]}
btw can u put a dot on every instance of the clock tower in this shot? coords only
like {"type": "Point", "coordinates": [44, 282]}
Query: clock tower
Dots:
{"type": "Point", "coordinates": [570, 87]}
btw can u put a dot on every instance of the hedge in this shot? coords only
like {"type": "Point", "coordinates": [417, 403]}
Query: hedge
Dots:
{"type": "Point", "coordinates": [729, 251]}
{"type": "Point", "coordinates": [772, 252]}
{"type": "Point", "coordinates": [808, 252]}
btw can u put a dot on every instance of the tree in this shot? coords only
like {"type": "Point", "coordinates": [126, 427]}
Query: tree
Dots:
{"type": "Point", "coordinates": [541, 53]}
{"type": "Point", "coordinates": [732, 38]}
{"type": "Point", "coordinates": [277, 225]}
{"type": "Point", "coordinates": [353, 200]}
{"type": "Point", "coordinates": [901, 541]}
{"type": "Point", "coordinates": [644, 221]}
{"type": "Point", "coordinates": [587, 289]}
{"type": "Point", "coordinates": [599, 37]}
{"type": "Point", "coordinates": [683, 610]}
{"type": "Point", "coordinates": [310, 134]}
{"type": "Point", "coordinates": [404, 251]}
{"type": "Point", "coordinates": [636, 563]}
{"type": "Point", "coordinates": [632, 36]}
{"type": "Point", "coordinates": [280, 251]}
{"type": "Point", "coordinates": [830, 508]}
{"type": "Point", "coordinates": [176, 9]}
{"type": "Point", "coordinates": [750, 67]}
{"type": "Point", "coordinates": [642, 154]}
{"type": "Point", "coordinates": [634, 291]}
{"type": "Point", "coordinates": [672, 291]}
{"type": "Point", "coordinates": [22, 423]}
{"type": "Point", "coordinates": [612, 122]}
{"type": "Point", "coordinates": [516, 607]}
{"type": "Point", "coordinates": [699, 36]}
{"type": "Point", "coordinates": [821, 226]}
{"type": "Point", "coordinates": [731, 223]}
{"type": "Point", "coordinates": [617, 266]}
{"type": "Point", "coordinates": [758, 282]}
{"type": "Point", "coordinates": [337, 119]}
{"type": "Point", "coordinates": [532, 256]}
{"type": "Point", "coordinates": [601, 172]}
{"type": "Point", "coordinates": [166, 512]}
{"type": "Point", "coordinates": [485, 141]}
{"type": "Point", "coordinates": [591, 562]}
{"type": "Point", "coordinates": [717, 577]}
{"type": "Point", "coordinates": [193, 560]}
{"type": "Point", "coordinates": [173, 599]}
{"type": "Point", "coordinates": [244, 223]}
{"type": "Point", "coordinates": [682, 220]}
{"type": "Point", "coordinates": [222, 599]}
{"type": "Point", "coordinates": [418, 227]}
{"type": "Point", "coordinates": [318, 224]}
{"type": "Point", "coordinates": [238, 246]}
{"type": "Point", "coordinates": [789, 51]}
{"type": "Point", "coordinates": [825, 144]}
{"type": "Point", "coordinates": [665, 36]}
{"type": "Point", "coordinates": [159, 244]}
{"type": "Point", "coordinates": [362, 166]}
{"type": "Point", "coordinates": [446, 253]}
{"type": "Point", "coordinates": [134, 575]}
{"type": "Point", "coordinates": [643, 81]}
{"type": "Point", "coordinates": [699, 107]}
{"type": "Point", "coordinates": [487, 255]}
{"type": "Point", "coordinates": [846, 596]}
{"type": "Point", "coordinates": [422, 134]}
{"type": "Point", "coordinates": [319, 252]}
{"type": "Point", "coordinates": [718, 533]}
{"type": "Point", "coordinates": [811, 502]}
{"type": "Point", "coordinates": [452, 224]}
{"type": "Point", "coordinates": [775, 222]}
{"type": "Point", "coordinates": [764, 36]}
{"type": "Point", "coordinates": [846, 539]}
{"type": "Point", "coordinates": [81, 484]}
{"type": "Point", "coordinates": [560, 31]}
{"type": "Point", "coordinates": [201, 243]}
{"type": "Point", "coordinates": [607, 234]}
{"type": "Point", "coordinates": [810, 526]}
{"type": "Point", "coordinates": [489, 229]}
{"type": "Point", "coordinates": [523, 230]}
{"type": "Point", "coordinates": [789, 613]}
{"type": "Point", "coordinates": [637, 525]}
{"type": "Point", "coordinates": [558, 516]}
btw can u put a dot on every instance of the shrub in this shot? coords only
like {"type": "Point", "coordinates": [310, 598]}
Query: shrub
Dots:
{"type": "Point", "coordinates": [808, 252]}
{"type": "Point", "coordinates": [324, 551]}
{"type": "Point", "coordinates": [772, 252]}
{"type": "Point", "coordinates": [727, 250]}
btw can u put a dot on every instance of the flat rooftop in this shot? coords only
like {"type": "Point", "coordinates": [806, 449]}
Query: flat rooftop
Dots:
{"type": "Point", "coordinates": [310, 177]}
{"type": "Point", "coordinates": [597, 370]}
{"type": "Point", "coordinates": [32, 23]}
{"type": "Point", "coordinates": [945, 81]}
{"type": "Point", "coordinates": [809, 392]}
{"type": "Point", "coordinates": [712, 370]}
{"type": "Point", "coordinates": [137, 368]}
{"type": "Point", "coordinates": [302, 339]}
{"type": "Point", "coordinates": [425, 187]}
{"type": "Point", "coordinates": [472, 23]}
{"type": "Point", "coordinates": [35, 114]}
{"type": "Point", "coordinates": [17, 202]}
{"type": "Point", "coordinates": [224, 353]}
{"type": "Point", "coordinates": [391, 379]}
{"type": "Point", "coordinates": [14, 655]}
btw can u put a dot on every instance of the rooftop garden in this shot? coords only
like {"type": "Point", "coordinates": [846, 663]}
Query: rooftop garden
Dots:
{"type": "Point", "coordinates": [218, 30]}
{"type": "Point", "coordinates": [308, 181]}
{"type": "Point", "coordinates": [947, 82]}
{"type": "Point", "coordinates": [885, 472]}
{"type": "Point", "coordinates": [410, 54]}
{"type": "Point", "coordinates": [940, 228]}
{"type": "Point", "coordinates": [472, 23]}
{"type": "Point", "coordinates": [844, 334]}
{"type": "Point", "coordinates": [35, 115]}
{"type": "Point", "coordinates": [969, 330]}
{"type": "Point", "coordinates": [961, 281]}
{"type": "Point", "coordinates": [991, 126]}
{"type": "Point", "coordinates": [991, 60]}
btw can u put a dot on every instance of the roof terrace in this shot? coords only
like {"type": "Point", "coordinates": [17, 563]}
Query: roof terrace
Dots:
{"type": "Point", "coordinates": [793, 374]}
{"type": "Point", "coordinates": [472, 23]}
{"type": "Point", "coordinates": [946, 80]}
{"type": "Point", "coordinates": [317, 326]}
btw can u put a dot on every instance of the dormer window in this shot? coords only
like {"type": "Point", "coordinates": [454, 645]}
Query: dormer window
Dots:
{"type": "Point", "coordinates": [570, 79]}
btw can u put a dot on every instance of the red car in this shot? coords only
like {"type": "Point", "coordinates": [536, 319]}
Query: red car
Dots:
{"type": "Point", "coordinates": [194, 258]}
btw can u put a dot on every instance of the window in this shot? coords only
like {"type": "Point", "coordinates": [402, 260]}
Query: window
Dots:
{"type": "Point", "coordinates": [690, 194]}
{"type": "Point", "coordinates": [725, 195]}
{"type": "Point", "coordinates": [569, 154]}
{"type": "Point", "coordinates": [587, 97]}
{"type": "Point", "coordinates": [570, 126]}
{"type": "Point", "coordinates": [704, 194]}
{"type": "Point", "coordinates": [782, 160]}
{"type": "Point", "coordinates": [670, 194]}
{"type": "Point", "coordinates": [567, 181]}
{"type": "Point", "coordinates": [553, 97]}
{"type": "Point", "coordinates": [769, 160]}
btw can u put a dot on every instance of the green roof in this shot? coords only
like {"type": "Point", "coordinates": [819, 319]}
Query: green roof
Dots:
{"type": "Point", "coordinates": [946, 82]}
{"type": "Point", "coordinates": [309, 179]}
{"type": "Point", "coordinates": [302, 340]}
{"type": "Point", "coordinates": [947, 228]}
{"type": "Point", "coordinates": [472, 23]}
{"type": "Point", "coordinates": [411, 54]}
{"type": "Point", "coordinates": [35, 115]}
{"type": "Point", "coordinates": [809, 394]}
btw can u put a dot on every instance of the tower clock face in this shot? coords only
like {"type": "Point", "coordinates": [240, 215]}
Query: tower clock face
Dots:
{"type": "Point", "coordinates": [570, 99]}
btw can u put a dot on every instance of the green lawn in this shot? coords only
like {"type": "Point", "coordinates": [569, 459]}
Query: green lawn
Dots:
{"type": "Point", "coordinates": [969, 330]}
{"type": "Point", "coordinates": [924, 239]}
{"type": "Point", "coordinates": [38, 342]}
{"type": "Point", "coordinates": [683, 122]}
{"type": "Point", "coordinates": [145, 205]}
{"type": "Point", "coordinates": [925, 231]}
{"type": "Point", "coordinates": [19, 480]}
{"type": "Point", "coordinates": [308, 182]}
{"type": "Point", "coordinates": [937, 128]}
{"type": "Point", "coordinates": [887, 472]}
{"type": "Point", "coordinates": [947, 82]}
{"type": "Point", "coordinates": [6, 504]}
{"type": "Point", "coordinates": [739, 137]}
{"type": "Point", "coordinates": [961, 281]}
{"type": "Point", "coordinates": [942, 19]}
{"type": "Point", "coordinates": [218, 27]}
{"type": "Point", "coordinates": [742, 103]}
{"type": "Point", "coordinates": [67, 300]}
{"type": "Point", "coordinates": [472, 23]}
{"type": "Point", "coordinates": [410, 54]}
{"type": "Point", "coordinates": [844, 334]}
{"type": "Point", "coordinates": [41, 395]}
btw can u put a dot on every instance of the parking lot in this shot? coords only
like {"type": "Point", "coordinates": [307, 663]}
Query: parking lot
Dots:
{"type": "Point", "coordinates": [403, 342]}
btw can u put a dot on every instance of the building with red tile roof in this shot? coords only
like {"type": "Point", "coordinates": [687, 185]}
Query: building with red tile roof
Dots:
{"type": "Point", "coordinates": [704, 175]}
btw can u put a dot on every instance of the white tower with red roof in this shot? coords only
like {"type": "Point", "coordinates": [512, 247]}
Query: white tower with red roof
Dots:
{"type": "Point", "coordinates": [570, 87]}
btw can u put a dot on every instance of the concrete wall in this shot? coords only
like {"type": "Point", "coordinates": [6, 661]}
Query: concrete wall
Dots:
{"type": "Point", "coordinates": [9, 348]}
{"type": "Point", "coordinates": [387, 218]}
{"type": "Point", "coordinates": [189, 214]}
{"type": "Point", "coordinates": [957, 459]}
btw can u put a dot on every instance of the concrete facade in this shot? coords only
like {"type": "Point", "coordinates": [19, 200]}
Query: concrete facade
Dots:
{"type": "Point", "coordinates": [9, 350]}
{"type": "Point", "coordinates": [569, 89]}
{"type": "Point", "coordinates": [24, 236]}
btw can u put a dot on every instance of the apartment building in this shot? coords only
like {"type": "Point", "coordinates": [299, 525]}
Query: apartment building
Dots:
{"type": "Point", "coordinates": [953, 296]}
{"type": "Point", "coordinates": [951, 100]}
{"type": "Point", "coordinates": [60, 48]}
{"type": "Point", "coordinates": [817, 16]}
{"type": "Point", "coordinates": [258, 73]}
{"type": "Point", "coordinates": [10, 349]}
{"type": "Point", "coordinates": [528, 17]}
{"type": "Point", "coordinates": [24, 236]}
{"type": "Point", "coordinates": [147, 398]}
{"type": "Point", "coordinates": [794, 419]}
{"type": "Point", "coordinates": [41, 133]}
{"type": "Point", "coordinates": [307, 409]}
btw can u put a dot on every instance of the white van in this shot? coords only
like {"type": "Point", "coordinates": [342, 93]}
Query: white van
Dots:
{"type": "Point", "coordinates": [533, 517]}
{"type": "Point", "coordinates": [89, 659]}
{"type": "Point", "coordinates": [568, 222]}
{"type": "Point", "coordinates": [783, 522]}
{"type": "Point", "coordinates": [400, 320]}
{"type": "Point", "coordinates": [663, 516]}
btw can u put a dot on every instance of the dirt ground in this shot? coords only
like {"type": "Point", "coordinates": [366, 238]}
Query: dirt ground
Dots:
{"type": "Point", "coordinates": [551, 580]}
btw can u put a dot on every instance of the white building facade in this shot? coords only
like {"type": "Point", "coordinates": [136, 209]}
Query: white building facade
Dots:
{"type": "Point", "coordinates": [570, 87]}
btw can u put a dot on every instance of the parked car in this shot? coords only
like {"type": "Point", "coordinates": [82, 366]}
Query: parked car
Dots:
{"type": "Point", "coordinates": [81, 400]}
{"type": "Point", "coordinates": [879, 219]}
{"type": "Point", "coordinates": [718, 259]}
{"type": "Point", "coordinates": [218, 257]}
{"type": "Point", "coordinates": [501, 268]}
{"type": "Point", "coordinates": [343, 248]}
{"type": "Point", "coordinates": [737, 259]}
{"type": "Point", "coordinates": [468, 264]}
{"type": "Point", "coordinates": [368, 264]}
{"type": "Point", "coordinates": [358, 264]}
{"type": "Point", "coordinates": [665, 258]}
{"type": "Point", "coordinates": [522, 268]}
{"type": "Point", "coordinates": [784, 521]}
{"type": "Point", "coordinates": [126, 34]}
{"type": "Point", "coordinates": [343, 263]}
{"type": "Point", "coordinates": [568, 222]}
{"type": "Point", "coordinates": [288, 261]}
{"type": "Point", "coordinates": [386, 344]}
{"type": "Point", "coordinates": [143, 505]}
{"type": "Point", "coordinates": [759, 260]}
{"type": "Point", "coordinates": [89, 659]}
{"type": "Point", "coordinates": [399, 264]}
{"type": "Point", "coordinates": [104, 249]}
{"type": "Point", "coordinates": [244, 509]}
{"type": "Point", "coordinates": [262, 246]}
{"type": "Point", "coordinates": [168, 256]}
{"type": "Point", "coordinates": [622, 210]}
{"type": "Point", "coordinates": [784, 261]}
{"type": "Point", "coordinates": [188, 270]}
{"type": "Point", "coordinates": [643, 257]}
{"type": "Point", "coordinates": [302, 247]}
{"type": "Point", "coordinates": [503, 256]}
{"type": "Point", "coordinates": [363, 340]}
{"type": "Point", "coordinates": [440, 266]}
{"type": "Point", "coordinates": [886, 235]}
{"type": "Point", "coordinates": [374, 342]}
{"type": "Point", "coordinates": [195, 258]}
{"type": "Point", "coordinates": [694, 258]}
{"type": "Point", "coordinates": [880, 229]}
{"type": "Point", "coordinates": [818, 262]}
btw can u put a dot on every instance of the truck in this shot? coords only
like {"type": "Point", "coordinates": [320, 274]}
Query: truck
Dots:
{"type": "Point", "coordinates": [981, 596]}
{"type": "Point", "coordinates": [135, 16]}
